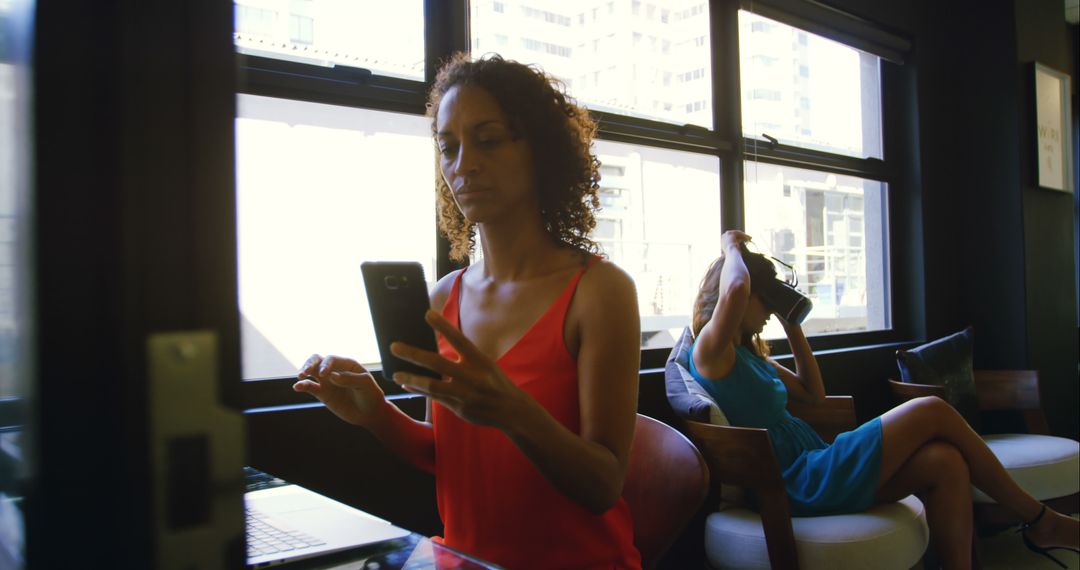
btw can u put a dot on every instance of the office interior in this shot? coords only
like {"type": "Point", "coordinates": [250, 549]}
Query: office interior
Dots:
{"type": "Point", "coordinates": [125, 190]}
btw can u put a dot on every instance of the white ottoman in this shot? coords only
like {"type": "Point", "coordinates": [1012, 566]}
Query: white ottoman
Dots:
{"type": "Point", "coordinates": [882, 538]}
{"type": "Point", "coordinates": [1045, 466]}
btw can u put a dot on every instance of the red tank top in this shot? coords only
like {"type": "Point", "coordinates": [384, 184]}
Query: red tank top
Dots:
{"type": "Point", "coordinates": [493, 502]}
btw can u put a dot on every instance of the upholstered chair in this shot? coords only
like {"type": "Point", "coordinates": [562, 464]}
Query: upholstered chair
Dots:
{"type": "Point", "coordinates": [666, 483]}
{"type": "Point", "coordinates": [752, 526]}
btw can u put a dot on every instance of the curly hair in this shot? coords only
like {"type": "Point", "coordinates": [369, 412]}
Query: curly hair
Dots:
{"type": "Point", "coordinates": [759, 267]}
{"type": "Point", "coordinates": [558, 131]}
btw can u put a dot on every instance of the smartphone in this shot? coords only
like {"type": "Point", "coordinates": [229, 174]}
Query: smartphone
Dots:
{"type": "Point", "coordinates": [398, 298]}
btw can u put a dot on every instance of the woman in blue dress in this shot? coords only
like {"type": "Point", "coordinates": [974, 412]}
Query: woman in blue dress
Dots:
{"type": "Point", "coordinates": [923, 446]}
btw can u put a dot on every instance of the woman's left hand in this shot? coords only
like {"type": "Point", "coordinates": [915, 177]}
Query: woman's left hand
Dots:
{"type": "Point", "coordinates": [474, 387]}
{"type": "Point", "coordinates": [783, 323]}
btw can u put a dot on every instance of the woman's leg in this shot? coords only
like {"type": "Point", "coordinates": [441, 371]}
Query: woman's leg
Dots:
{"type": "Point", "coordinates": [911, 425]}
{"type": "Point", "coordinates": [939, 473]}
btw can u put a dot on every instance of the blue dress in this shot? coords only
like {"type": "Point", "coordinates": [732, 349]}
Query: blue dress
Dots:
{"type": "Point", "coordinates": [820, 479]}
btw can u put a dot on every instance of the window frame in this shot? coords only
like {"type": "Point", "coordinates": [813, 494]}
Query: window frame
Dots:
{"type": "Point", "coordinates": [446, 30]}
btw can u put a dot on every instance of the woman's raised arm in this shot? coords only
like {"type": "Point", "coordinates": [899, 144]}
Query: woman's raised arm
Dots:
{"type": "Point", "coordinates": [714, 349]}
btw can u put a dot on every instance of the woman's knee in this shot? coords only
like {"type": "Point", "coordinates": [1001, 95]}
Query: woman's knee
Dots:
{"type": "Point", "coordinates": [945, 463]}
{"type": "Point", "coordinates": [932, 410]}
{"type": "Point", "coordinates": [932, 404]}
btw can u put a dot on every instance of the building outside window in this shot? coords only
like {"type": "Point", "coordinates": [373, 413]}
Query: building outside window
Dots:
{"type": "Point", "coordinates": [384, 37]}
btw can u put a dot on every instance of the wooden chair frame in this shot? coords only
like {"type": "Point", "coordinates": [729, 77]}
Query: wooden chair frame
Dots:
{"type": "Point", "coordinates": [667, 481]}
{"type": "Point", "coordinates": [744, 457]}
{"type": "Point", "coordinates": [1012, 390]}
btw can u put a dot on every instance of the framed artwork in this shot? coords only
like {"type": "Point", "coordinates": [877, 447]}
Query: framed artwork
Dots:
{"type": "Point", "coordinates": [1053, 124]}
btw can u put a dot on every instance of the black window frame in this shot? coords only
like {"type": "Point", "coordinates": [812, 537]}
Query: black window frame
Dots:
{"type": "Point", "coordinates": [446, 30]}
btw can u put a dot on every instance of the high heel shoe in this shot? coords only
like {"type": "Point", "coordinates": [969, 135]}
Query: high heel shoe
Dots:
{"type": "Point", "coordinates": [1039, 549]}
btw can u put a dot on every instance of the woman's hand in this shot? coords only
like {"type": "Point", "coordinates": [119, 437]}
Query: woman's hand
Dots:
{"type": "Point", "coordinates": [343, 386]}
{"type": "Point", "coordinates": [788, 327]}
{"type": "Point", "coordinates": [805, 383]}
{"type": "Point", "coordinates": [474, 387]}
{"type": "Point", "coordinates": [733, 239]}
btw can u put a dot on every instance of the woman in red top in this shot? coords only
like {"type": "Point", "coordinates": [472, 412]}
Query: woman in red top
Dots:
{"type": "Point", "coordinates": [531, 425]}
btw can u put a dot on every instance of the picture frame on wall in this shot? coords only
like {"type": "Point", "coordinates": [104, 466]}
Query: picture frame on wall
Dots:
{"type": "Point", "coordinates": [1053, 124]}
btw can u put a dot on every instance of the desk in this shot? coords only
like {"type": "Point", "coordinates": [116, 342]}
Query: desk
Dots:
{"type": "Point", "coordinates": [414, 552]}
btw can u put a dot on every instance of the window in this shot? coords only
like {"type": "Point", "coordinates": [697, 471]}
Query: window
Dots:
{"type": "Point", "coordinates": [814, 189]}
{"type": "Point", "coordinates": [337, 33]}
{"type": "Point", "coordinates": [832, 230]}
{"type": "Point", "coordinates": [254, 22]}
{"type": "Point", "coordinates": [760, 60]}
{"type": "Point", "coordinates": [765, 95]}
{"type": "Point", "coordinates": [302, 22]}
{"type": "Point", "coordinates": [841, 87]}
{"type": "Point", "coordinates": [545, 47]}
{"type": "Point", "coordinates": [609, 35]}
{"type": "Point", "coordinates": [822, 100]}
{"type": "Point", "coordinates": [305, 175]}
{"type": "Point", "coordinates": [643, 223]}
{"type": "Point", "coordinates": [549, 17]}
{"type": "Point", "coordinates": [301, 30]}
{"type": "Point", "coordinates": [665, 246]}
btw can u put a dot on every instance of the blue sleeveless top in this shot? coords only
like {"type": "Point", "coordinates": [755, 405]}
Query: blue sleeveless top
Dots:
{"type": "Point", "coordinates": [819, 478]}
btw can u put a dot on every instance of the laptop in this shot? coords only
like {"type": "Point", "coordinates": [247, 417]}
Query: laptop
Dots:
{"type": "Point", "coordinates": [286, 522]}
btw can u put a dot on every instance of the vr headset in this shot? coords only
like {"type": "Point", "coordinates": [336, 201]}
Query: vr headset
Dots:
{"type": "Point", "coordinates": [785, 300]}
{"type": "Point", "coordinates": [781, 297]}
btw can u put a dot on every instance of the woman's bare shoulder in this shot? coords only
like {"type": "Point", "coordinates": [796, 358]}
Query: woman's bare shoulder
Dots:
{"type": "Point", "coordinates": [605, 278]}
{"type": "Point", "coordinates": [441, 291]}
{"type": "Point", "coordinates": [606, 293]}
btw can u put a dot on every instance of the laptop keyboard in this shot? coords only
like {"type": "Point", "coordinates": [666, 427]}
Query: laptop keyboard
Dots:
{"type": "Point", "coordinates": [266, 535]}
{"type": "Point", "coordinates": [255, 480]}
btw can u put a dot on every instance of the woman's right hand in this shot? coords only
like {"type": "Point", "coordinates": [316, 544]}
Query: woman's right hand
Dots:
{"type": "Point", "coordinates": [733, 239]}
{"type": "Point", "coordinates": [343, 386]}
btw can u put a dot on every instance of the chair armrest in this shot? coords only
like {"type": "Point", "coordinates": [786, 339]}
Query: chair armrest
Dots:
{"type": "Point", "coordinates": [830, 418]}
{"type": "Point", "coordinates": [904, 391]}
{"type": "Point", "coordinates": [744, 456]}
{"type": "Point", "coordinates": [1012, 390]}
{"type": "Point", "coordinates": [736, 455]}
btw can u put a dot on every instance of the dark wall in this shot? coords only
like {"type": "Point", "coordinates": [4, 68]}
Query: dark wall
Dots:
{"type": "Point", "coordinates": [972, 174]}
{"type": "Point", "coordinates": [1043, 36]}
{"type": "Point", "coordinates": [997, 251]}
